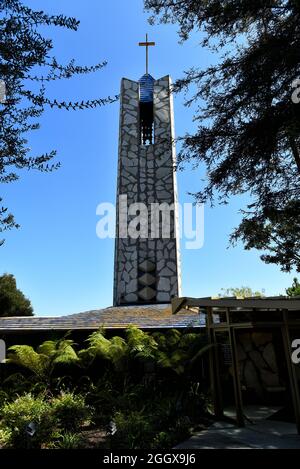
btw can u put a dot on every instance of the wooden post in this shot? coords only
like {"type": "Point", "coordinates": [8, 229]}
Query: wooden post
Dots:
{"type": "Point", "coordinates": [291, 369]}
{"type": "Point", "coordinates": [219, 395]}
{"type": "Point", "coordinates": [236, 378]}
{"type": "Point", "coordinates": [213, 367]}
{"type": "Point", "coordinates": [211, 358]}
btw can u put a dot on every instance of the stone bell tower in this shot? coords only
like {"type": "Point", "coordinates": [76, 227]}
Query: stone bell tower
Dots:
{"type": "Point", "coordinates": [147, 267]}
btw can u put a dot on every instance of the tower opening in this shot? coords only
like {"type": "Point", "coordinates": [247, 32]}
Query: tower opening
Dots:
{"type": "Point", "coordinates": [146, 110]}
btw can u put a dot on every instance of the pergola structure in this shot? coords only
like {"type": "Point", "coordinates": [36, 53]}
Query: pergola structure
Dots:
{"type": "Point", "coordinates": [231, 315]}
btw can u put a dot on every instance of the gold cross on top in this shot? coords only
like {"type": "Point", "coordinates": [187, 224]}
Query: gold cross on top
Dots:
{"type": "Point", "coordinates": [147, 44]}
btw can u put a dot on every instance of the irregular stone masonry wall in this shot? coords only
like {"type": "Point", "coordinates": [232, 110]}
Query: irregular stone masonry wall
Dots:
{"type": "Point", "coordinates": [257, 362]}
{"type": "Point", "coordinates": [146, 269]}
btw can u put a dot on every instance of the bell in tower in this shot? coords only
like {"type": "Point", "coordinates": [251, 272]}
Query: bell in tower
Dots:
{"type": "Point", "coordinates": [146, 109]}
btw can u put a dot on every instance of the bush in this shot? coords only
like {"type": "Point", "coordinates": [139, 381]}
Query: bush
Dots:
{"type": "Point", "coordinates": [103, 398]}
{"type": "Point", "coordinates": [18, 415]}
{"type": "Point", "coordinates": [3, 398]}
{"type": "Point", "coordinates": [5, 436]}
{"type": "Point", "coordinates": [151, 406]}
{"type": "Point", "coordinates": [141, 430]}
{"type": "Point", "coordinates": [133, 431]}
{"type": "Point", "coordinates": [162, 441]}
{"type": "Point", "coordinates": [69, 440]}
{"type": "Point", "coordinates": [70, 411]}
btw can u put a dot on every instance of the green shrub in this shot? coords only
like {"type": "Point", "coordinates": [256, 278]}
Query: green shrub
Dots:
{"type": "Point", "coordinates": [162, 440]}
{"type": "Point", "coordinates": [17, 415]}
{"type": "Point", "coordinates": [133, 431]}
{"type": "Point", "coordinates": [3, 398]}
{"type": "Point", "coordinates": [5, 436]}
{"type": "Point", "coordinates": [102, 398]}
{"type": "Point", "coordinates": [70, 411]}
{"type": "Point", "coordinates": [16, 384]}
{"type": "Point", "coordinates": [69, 440]}
{"type": "Point", "coordinates": [164, 411]}
{"type": "Point", "coordinates": [132, 372]}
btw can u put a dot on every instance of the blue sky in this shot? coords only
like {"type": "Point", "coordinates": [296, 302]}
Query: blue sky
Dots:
{"type": "Point", "coordinates": [57, 259]}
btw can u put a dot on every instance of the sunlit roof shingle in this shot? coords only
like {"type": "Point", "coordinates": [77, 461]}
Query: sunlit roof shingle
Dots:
{"type": "Point", "coordinates": [145, 317]}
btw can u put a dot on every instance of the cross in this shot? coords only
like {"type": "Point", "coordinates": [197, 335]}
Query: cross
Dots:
{"type": "Point", "coordinates": [147, 44]}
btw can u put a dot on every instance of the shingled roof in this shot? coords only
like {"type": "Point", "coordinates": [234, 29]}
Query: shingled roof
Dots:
{"type": "Point", "coordinates": [145, 317]}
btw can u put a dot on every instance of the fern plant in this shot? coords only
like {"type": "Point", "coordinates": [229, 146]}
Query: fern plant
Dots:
{"type": "Point", "coordinates": [114, 350]}
{"type": "Point", "coordinates": [42, 362]}
{"type": "Point", "coordinates": [141, 344]}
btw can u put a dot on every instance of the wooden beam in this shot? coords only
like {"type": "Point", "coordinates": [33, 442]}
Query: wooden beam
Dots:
{"type": "Point", "coordinates": [177, 304]}
{"type": "Point", "coordinates": [259, 303]}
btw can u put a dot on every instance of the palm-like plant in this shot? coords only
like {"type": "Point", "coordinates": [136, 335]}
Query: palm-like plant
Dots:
{"type": "Point", "coordinates": [175, 361]}
{"type": "Point", "coordinates": [179, 352]}
{"type": "Point", "coordinates": [42, 362]}
{"type": "Point", "coordinates": [138, 344]}
{"type": "Point", "coordinates": [141, 345]}
{"type": "Point", "coordinates": [26, 357]}
{"type": "Point", "coordinates": [114, 350]}
{"type": "Point", "coordinates": [118, 352]}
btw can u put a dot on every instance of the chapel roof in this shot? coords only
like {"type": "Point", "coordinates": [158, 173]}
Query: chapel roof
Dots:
{"type": "Point", "coordinates": [155, 316]}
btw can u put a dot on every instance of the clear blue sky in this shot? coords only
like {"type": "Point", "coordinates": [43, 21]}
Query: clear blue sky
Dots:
{"type": "Point", "coordinates": [56, 257]}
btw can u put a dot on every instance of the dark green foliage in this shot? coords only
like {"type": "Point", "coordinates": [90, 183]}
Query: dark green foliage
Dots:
{"type": "Point", "coordinates": [26, 65]}
{"type": "Point", "coordinates": [274, 228]}
{"type": "Point", "coordinates": [294, 290]}
{"type": "Point", "coordinates": [134, 430]}
{"type": "Point", "coordinates": [160, 385]}
{"type": "Point", "coordinates": [70, 411]}
{"type": "Point", "coordinates": [68, 440]}
{"type": "Point", "coordinates": [162, 440]}
{"type": "Point", "coordinates": [16, 384]}
{"type": "Point", "coordinates": [142, 429]}
{"type": "Point", "coordinates": [151, 386]}
{"type": "Point", "coordinates": [248, 125]}
{"type": "Point", "coordinates": [12, 300]}
{"type": "Point", "coordinates": [3, 398]}
{"type": "Point", "coordinates": [56, 421]}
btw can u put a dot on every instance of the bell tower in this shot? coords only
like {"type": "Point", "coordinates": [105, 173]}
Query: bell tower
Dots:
{"type": "Point", "coordinates": [146, 265]}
